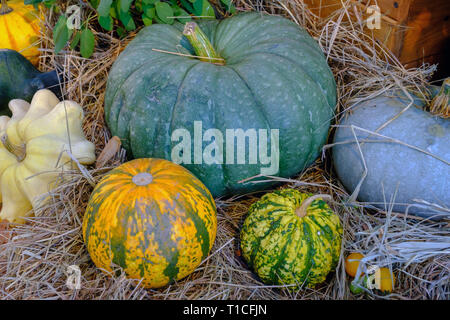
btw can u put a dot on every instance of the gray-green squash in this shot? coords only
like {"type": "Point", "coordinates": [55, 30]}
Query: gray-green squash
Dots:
{"type": "Point", "coordinates": [407, 166]}
{"type": "Point", "coordinates": [268, 74]}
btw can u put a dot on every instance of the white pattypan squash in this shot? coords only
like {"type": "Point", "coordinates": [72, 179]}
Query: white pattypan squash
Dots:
{"type": "Point", "coordinates": [35, 147]}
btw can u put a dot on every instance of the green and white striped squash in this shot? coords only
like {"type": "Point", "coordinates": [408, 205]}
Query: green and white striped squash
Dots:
{"type": "Point", "coordinates": [291, 238]}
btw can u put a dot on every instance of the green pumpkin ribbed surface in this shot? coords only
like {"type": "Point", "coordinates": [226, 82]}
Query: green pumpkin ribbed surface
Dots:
{"type": "Point", "coordinates": [283, 248]}
{"type": "Point", "coordinates": [275, 77]}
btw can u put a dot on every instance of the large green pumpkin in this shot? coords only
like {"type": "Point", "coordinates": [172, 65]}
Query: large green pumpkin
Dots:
{"type": "Point", "coordinates": [274, 77]}
{"type": "Point", "coordinates": [291, 238]}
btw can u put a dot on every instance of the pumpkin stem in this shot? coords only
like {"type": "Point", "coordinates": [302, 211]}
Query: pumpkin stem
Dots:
{"type": "Point", "coordinates": [440, 105]}
{"type": "Point", "coordinates": [302, 210]}
{"type": "Point", "coordinates": [18, 151]}
{"type": "Point", "coordinates": [4, 9]}
{"type": "Point", "coordinates": [201, 44]}
{"type": "Point", "coordinates": [142, 179]}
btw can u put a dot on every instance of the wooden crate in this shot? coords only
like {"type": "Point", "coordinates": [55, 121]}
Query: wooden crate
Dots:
{"type": "Point", "coordinates": [416, 31]}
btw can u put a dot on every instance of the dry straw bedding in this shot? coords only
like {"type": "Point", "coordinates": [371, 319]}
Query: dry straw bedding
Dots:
{"type": "Point", "coordinates": [34, 257]}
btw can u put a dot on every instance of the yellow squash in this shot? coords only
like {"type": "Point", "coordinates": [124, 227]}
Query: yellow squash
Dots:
{"type": "Point", "coordinates": [37, 143]}
{"type": "Point", "coordinates": [20, 28]}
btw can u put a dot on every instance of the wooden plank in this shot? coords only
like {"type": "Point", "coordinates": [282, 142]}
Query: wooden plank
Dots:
{"type": "Point", "coordinates": [428, 28]}
{"type": "Point", "coordinates": [416, 31]}
{"type": "Point", "coordinates": [389, 34]}
{"type": "Point", "coordinates": [395, 9]}
{"type": "Point", "coordinates": [394, 12]}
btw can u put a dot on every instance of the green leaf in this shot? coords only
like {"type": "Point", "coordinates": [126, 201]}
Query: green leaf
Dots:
{"type": "Point", "coordinates": [94, 3]}
{"type": "Point", "coordinates": [131, 25]}
{"type": "Point", "coordinates": [198, 6]}
{"type": "Point", "coordinates": [121, 31]}
{"type": "Point", "coordinates": [49, 3]}
{"type": "Point", "coordinates": [187, 6]}
{"type": "Point", "coordinates": [75, 40]}
{"type": "Point", "coordinates": [127, 21]}
{"type": "Point", "coordinates": [124, 6]}
{"type": "Point", "coordinates": [149, 2]}
{"type": "Point", "coordinates": [112, 12]}
{"type": "Point", "coordinates": [164, 11]}
{"type": "Point", "coordinates": [147, 20]}
{"type": "Point", "coordinates": [203, 8]}
{"type": "Point", "coordinates": [208, 9]}
{"type": "Point", "coordinates": [138, 6]}
{"type": "Point", "coordinates": [60, 34]}
{"type": "Point", "coordinates": [229, 6]}
{"type": "Point", "coordinates": [106, 22]}
{"type": "Point", "coordinates": [62, 21]}
{"type": "Point", "coordinates": [103, 8]}
{"type": "Point", "coordinates": [158, 20]}
{"type": "Point", "coordinates": [32, 1]}
{"type": "Point", "coordinates": [149, 12]}
{"type": "Point", "coordinates": [87, 43]}
{"type": "Point", "coordinates": [182, 13]}
{"type": "Point", "coordinates": [123, 11]}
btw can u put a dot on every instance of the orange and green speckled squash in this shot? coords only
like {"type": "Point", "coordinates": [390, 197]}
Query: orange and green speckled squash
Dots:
{"type": "Point", "coordinates": [290, 237]}
{"type": "Point", "coordinates": [151, 217]}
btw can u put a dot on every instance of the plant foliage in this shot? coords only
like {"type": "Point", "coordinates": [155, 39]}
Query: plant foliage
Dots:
{"type": "Point", "coordinates": [123, 16]}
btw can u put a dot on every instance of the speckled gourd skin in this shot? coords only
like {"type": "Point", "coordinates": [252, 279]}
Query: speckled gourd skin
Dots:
{"type": "Point", "coordinates": [284, 249]}
{"type": "Point", "coordinates": [159, 232]}
{"type": "Point", "coordinates": [275, 77]}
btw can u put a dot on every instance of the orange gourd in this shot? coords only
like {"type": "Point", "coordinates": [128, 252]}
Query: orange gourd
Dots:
{"type": "Point", "coordinates": [352, 263]}
{"type": "Point", "coordinates": [151, 217]}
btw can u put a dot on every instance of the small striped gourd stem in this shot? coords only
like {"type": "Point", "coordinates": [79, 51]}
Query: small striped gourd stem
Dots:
{"type": "Point", "coordinates": [302, 210]}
